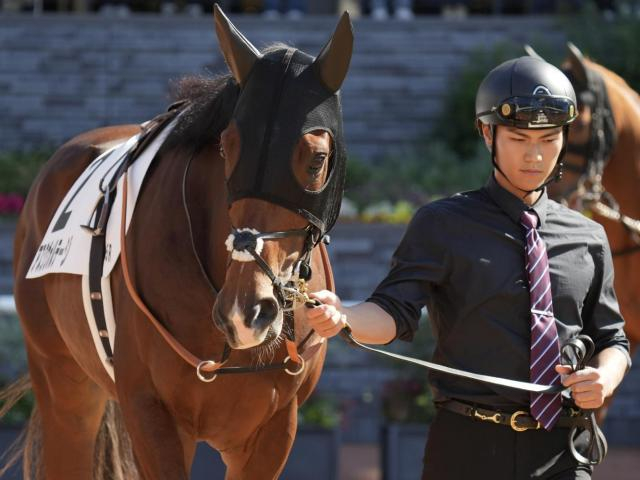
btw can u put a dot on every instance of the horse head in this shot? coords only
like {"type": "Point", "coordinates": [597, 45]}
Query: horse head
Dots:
{"type": "Point", "coordinates": [284, 169]}
{"type": "Point", "coordinates": [592, 135]}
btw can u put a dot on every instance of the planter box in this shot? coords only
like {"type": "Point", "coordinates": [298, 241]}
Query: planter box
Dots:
{"type": "Point", "coordinates": [403, 450]}
{"type": "Point", "coordinates": [314, 457]}
{"type": "Point", "coordinates": [7, 437]}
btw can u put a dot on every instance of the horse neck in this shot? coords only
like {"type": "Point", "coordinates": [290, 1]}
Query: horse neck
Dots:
{"type": "Point", "coordinates": [167, 274]}
{"type": "Point", "coordinates": [206, 195]}
{"type": "Point", "coordinates": [622, 173]}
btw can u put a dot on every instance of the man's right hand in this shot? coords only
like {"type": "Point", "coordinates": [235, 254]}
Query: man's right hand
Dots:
{"type": "Point", "coordinates": [327, 319]}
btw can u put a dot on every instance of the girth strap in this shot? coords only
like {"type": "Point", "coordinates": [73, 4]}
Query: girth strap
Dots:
{"type": "Point", "coordinates": [96, 265]}
{"type": "Point", "coordinates": [99, 227]}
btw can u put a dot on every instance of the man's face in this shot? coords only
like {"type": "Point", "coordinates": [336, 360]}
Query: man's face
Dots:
{"type": "Point", "coordinates": [526, 156]}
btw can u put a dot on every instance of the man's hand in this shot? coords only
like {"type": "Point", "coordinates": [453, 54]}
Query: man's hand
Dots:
{"type": "Point", "coordinates": [589, 387]}
{"type": "Point", "coordinates": [327, 319]}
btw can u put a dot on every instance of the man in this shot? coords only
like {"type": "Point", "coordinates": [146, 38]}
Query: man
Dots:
{"type": "Point", "coordinates": [508, 277]}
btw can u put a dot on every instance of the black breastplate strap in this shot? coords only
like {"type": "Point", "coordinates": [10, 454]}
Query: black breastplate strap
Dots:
{"type": "Point", "coordinates": [96, 264]}
{"type": "Point", "coordinates": [98, 223]}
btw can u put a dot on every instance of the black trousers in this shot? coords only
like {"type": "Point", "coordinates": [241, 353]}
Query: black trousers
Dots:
{"type": "Point", "coordinates": [462, 448]}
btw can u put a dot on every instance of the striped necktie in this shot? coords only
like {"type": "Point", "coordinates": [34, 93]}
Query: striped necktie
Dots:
{"type": "Point", "coordinates": [545, 346]}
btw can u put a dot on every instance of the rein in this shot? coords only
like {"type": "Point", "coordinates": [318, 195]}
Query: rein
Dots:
{"type": "Point", "coordinates": [576, 353]}
{"type": "Point", "coordinates": [208, 366]}
{"type": "Point", "coordinates": [347, 336]}
{"type": "Point", "coordinates": [589, 193]}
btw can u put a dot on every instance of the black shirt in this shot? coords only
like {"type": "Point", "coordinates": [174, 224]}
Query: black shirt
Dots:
{"type": "Point", "coordinates": [463, 257]}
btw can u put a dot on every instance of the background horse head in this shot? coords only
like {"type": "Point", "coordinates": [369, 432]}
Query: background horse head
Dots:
{"type": "Point", "coordinates": [602, 171]}
{"type": "Point", "coordinates": [259, 151]}
{"type": "Point", "coordinates": [617, 135]}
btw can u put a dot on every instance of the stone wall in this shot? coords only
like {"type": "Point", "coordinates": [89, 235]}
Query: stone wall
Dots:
{"type": "Point", "coordinates": [63, 74]}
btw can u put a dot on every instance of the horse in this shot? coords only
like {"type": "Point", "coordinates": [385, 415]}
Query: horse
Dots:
{"type": "Point", "coordinates": [183, 289]}
{"type": "Point", "coordinates": [601, 173]}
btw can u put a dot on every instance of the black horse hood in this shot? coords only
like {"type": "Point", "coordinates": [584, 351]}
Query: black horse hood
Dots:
{"type": "Point", "coordinates": [283, 98]}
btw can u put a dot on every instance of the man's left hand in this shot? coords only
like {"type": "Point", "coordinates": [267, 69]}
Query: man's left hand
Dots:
{"type": "Point", "coordinates": [589, 387]}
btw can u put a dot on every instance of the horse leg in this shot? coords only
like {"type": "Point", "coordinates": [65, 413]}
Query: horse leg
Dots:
{"type": "Point", "coordinates": [264, 455]}
{"type": "Point", "coordinates": [160, 448]}
{"type": "Point", "coordinates": [71, 407]}
{"type": "Point", "coordinates": [71, 404]}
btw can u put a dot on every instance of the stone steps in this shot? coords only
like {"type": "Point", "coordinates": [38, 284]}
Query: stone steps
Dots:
{"type": "Point", "coordinates": [63, 74]}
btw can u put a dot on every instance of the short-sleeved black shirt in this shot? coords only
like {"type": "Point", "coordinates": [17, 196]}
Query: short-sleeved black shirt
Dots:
{"type": "Point", "coordinates": [463, 257]}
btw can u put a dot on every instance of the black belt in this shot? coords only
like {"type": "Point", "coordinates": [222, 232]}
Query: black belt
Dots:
{"type": "Point", "coordinates": [519, 421]}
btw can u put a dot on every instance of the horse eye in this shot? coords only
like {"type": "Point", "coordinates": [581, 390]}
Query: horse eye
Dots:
{"type": "Point", "coordinates": [317, 163]}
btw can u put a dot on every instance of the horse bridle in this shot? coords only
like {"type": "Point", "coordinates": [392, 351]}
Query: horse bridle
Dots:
{"type": "Point", "coordinates": [243, 245]}
{"type": "Point", "coordinates": [589, 193]}
{"type": "Point", "coordinates": [248, 242]}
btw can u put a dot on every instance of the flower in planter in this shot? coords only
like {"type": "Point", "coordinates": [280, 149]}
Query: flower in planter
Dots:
{"type": "Point", "coordinates": [387, 212]}
{"type": "Point", "coordinates": [11, 203]}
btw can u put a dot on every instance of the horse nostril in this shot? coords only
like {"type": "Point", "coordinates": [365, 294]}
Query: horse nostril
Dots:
{"type": "Point", "coordinates": [266, 311]}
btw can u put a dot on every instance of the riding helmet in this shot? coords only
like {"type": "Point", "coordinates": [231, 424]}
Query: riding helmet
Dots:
{"type": "Point", "coordinates": [526, 92]}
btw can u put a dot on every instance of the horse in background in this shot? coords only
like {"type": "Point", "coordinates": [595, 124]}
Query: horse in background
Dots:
{"type": "Point", "coordinates": [181, 275]}
{"type": "Point", "coordinates": [602, 172]}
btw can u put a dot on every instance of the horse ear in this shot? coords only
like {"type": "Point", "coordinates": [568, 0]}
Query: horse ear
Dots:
{"type": "Point", "coordinates": [238, 52]}
{"type": "Point", "coordinates": [333, 61]}
{"type": "Point", "coordinates": [531, 52]}
{"type": "Point", "coordinates": [576, 64]}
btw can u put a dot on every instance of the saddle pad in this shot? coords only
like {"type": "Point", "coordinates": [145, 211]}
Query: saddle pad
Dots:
{"type": "Point", "coordinates": [65, 246]}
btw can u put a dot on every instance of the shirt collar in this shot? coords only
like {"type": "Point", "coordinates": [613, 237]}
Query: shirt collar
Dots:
{"type": "Point", "coordinates": [514, 206]}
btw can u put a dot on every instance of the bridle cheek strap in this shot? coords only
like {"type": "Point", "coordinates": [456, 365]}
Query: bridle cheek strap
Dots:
{"type": "Point", "coordinates": [208, 366]}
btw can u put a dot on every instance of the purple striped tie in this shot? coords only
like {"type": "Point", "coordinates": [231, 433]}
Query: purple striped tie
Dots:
{"type": "Point", "coordinates": [545, 346]}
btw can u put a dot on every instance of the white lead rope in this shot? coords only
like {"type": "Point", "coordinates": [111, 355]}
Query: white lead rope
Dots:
{"type": "Point", "coordinates": [503, 382]}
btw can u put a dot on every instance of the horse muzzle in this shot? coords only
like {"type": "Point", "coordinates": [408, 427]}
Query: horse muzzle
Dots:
{"type": "Point", "coordinates": [252, 327]}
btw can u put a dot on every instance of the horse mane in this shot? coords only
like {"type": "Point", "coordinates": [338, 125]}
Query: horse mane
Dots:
{"type": "Point", "coordinates": [211, 101]}
{"type": "Point", "coordinates": [210, 104]}
{"type": "Point", "coordinates": [614, 77]}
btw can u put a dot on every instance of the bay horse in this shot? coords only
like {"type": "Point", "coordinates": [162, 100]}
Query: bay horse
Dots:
{"type": "Point", "coordinates": [180, 270]}
{"type": "Point", "coordinates": [602, 173]}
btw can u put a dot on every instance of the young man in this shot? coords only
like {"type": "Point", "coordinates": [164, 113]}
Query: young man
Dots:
{"type": "Point", "coordinates": [508, 277]}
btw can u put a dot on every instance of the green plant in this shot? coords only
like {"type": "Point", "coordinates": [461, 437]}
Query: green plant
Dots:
{"type": "Point", "coordinates": [449, 159]}
{"type": "Point", "coordinates": [319, 411]}
{"type": "Point", "coordinates": [407, 398]}
{"type": "Point", "coordinates": [18, 169]}
{"type": "Point", "coordinates": [615, 46]}
{"type": "Point", "coordinates": [13, 363]}
{"type": "Point", "coordinates": [387, 212]}
{"type": "Point", "coordinates": [430, 171]}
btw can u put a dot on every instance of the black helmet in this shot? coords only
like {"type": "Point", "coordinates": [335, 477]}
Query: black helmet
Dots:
{"type": "Point", "coordinates": [526, 92]}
